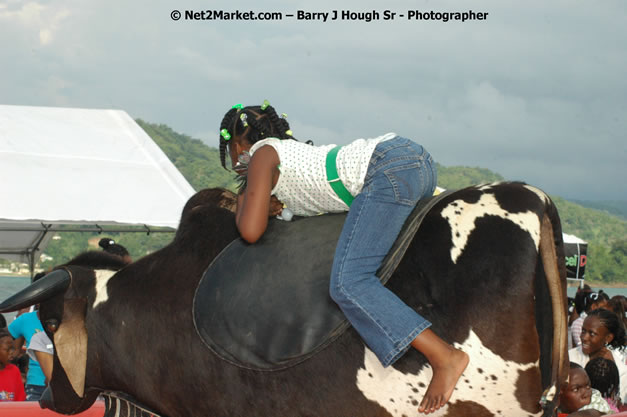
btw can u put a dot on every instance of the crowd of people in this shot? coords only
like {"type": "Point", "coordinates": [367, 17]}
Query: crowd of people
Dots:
{"type": "Point", "coordinates": [597, 383]}
{"type": "Point", "coordinates": [26, 351]}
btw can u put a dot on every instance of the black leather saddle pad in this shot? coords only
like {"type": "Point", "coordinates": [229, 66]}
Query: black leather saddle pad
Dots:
{"type": "Point", "coordinates": [266, 306]}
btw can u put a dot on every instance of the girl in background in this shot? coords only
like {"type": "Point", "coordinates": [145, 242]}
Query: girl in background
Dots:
{"type": "Point", "coordinates": [603, 336]}
{"type": "Point", "coordinates": [603, 375]}
{"type": "Point", "coordinates": [591, 301]}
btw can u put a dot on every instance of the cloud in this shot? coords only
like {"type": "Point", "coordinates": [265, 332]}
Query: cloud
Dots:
{"type": "Point", "coordinates": [535, 92]}
{"type": "Point", "coordinates": [35, 17]}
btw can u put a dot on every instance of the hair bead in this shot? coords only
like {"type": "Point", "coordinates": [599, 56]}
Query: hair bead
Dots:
{"type": "Point", "coordinates": [266, 122]}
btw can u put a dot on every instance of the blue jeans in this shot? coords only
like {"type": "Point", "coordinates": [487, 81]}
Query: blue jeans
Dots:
{"type": "Point", "coordinates": [34, 392]}
{"type": "Point", "coordinates": [400, 173]}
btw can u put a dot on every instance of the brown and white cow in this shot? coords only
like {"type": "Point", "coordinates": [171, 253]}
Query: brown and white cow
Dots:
{"type": "Point", "coordinates": [486, 268]}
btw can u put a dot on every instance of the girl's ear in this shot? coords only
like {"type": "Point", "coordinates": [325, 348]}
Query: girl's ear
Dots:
{"type": "Point", "coordinates": [239, 147]}
{"type": "Point", "coordinates": [235, 146]}
{"type": "Point", "coordinates": [608, 338]}
{"type": "Point", "coordinates": [240, 144]}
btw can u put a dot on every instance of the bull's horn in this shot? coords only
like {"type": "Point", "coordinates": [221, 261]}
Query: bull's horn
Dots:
{"type": "Point", "coordinates": [41, 290]}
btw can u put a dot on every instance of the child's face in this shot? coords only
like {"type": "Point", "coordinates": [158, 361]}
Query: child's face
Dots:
{"type": "Point", "coordinates": [594, 335]}
{"type": "Point", "coordinates": [6, 350]}
{"type": "Point", "coordinates": [578, 393]}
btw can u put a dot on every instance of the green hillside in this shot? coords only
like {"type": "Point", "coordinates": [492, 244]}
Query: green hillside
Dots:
{"type": "Point", "coordinates": [616, 207]}
{"type": "Point", "coordinates": [591, 225]}
{"type": "Point", "coordinates": [456, 177]}
{"type": "Point", "coordinates": [200, 164]}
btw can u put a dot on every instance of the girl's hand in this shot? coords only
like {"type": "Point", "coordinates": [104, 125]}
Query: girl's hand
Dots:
{"type": "Point", "coordinates": [276, 206]}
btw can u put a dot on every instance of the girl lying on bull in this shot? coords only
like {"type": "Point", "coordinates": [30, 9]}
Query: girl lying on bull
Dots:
{"type": "Point", "coordinates": [380, 180]}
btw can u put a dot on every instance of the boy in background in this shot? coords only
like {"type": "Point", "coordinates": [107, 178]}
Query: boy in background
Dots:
{"type": "Point", "coordinates": [579, 398]}
{"type": "Point", "coordinates": [11, 386]}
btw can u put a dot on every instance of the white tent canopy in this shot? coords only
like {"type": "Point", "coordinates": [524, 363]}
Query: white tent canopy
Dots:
{"type": "Point", "coordinates": [61, 166]}
{"type": "Point", "coordinates": [572, 239]}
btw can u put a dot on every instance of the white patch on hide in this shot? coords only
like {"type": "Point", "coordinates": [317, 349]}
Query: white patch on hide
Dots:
{"type": "Point", "coordinates": [462, 216]}
{"type": "Point", "coordinates": [487, 185]}
{"type": "Point", "coordinates": [489, 380]}
{"type": "Point", "coordinates": [538, 192]}
{"type": "Point", "coordinates": [102, 278]}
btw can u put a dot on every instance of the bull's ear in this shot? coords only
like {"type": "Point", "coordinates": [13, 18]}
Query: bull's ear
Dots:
{"type": "Point", "coordinates": [70, 343]}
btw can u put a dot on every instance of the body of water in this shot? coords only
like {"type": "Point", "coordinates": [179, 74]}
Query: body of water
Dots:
{"type": "Point", "coordinates": [8, 287]}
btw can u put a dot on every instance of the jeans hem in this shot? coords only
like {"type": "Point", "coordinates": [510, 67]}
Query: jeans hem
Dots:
{"type": "Point", "coordinates": [403, 345]}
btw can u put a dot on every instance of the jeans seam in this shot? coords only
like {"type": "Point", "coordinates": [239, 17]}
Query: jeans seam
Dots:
{"type": "Point", "coordinates": [348, 242]}
{"type": "Point", "coordinates": [388, 330]}
{"type": "Point", "coordinates": [375, 166]}
{"type": "Point", "coordinates": [403, 345]}
{"type": "Point", "coordinates": [367, 314]}
{"type": "Point", "coordinates": [340, 285]}
{"type": "Point", "coordinates": [394, 183]}
{"type": "Point", "coordinates": [391, 145]}
{"type": "Point", "coordinates": [380, 164]}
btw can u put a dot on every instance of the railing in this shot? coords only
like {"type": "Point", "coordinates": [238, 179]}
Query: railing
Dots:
{"type": "Point", "coordinates": [579, 281]}
{"type": "Point", "coordinates": [32, 409]}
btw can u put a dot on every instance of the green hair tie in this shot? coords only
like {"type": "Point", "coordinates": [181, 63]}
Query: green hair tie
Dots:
{"type": "Point", "coordinates": [225, 134]}
{"type": "Point", "coordinates": [288, 132]}
{"type": "Point", "coordinates": [265, 105]}
{"type": "Point", "coordinates": [238, 106]}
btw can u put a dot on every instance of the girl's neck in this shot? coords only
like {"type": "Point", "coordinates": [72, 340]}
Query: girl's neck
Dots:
{"type": "Point", "coordinates": [604, 352]}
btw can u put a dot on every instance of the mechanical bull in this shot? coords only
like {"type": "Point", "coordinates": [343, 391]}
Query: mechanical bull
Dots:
{"type": "Point", "coordinates": [485, 267]}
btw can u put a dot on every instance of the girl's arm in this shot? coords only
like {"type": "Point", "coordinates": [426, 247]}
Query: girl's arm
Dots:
{"type": "Point", "coordinates": [45, 362]}
{"type": "Point", "coordinates": [254, 204]}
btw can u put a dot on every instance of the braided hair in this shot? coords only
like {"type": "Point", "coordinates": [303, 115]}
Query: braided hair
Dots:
{"type": "Point", "coordinates": [593, 299]}
{"type": "Point", "coordinates": [261, 122]}
{"type": "Point", "coordinates": [612, 323]}
{"type": "Point", "coordinates": [617, 306]}
{"type": "Point", "coordinates": [603, 374]}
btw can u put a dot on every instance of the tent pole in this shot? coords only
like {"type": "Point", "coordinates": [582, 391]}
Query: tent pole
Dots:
{"type": "Point", "coordinates": [35, 248]}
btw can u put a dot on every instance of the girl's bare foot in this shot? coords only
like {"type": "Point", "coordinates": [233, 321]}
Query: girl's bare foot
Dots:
{"type": "Point", "coordinates": [448, 364]}
{"type": "Point", "coordinates": [443, 382]}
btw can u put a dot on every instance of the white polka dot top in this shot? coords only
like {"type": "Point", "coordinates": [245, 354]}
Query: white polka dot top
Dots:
{"type": "Point", "coordinates": [302, 185]}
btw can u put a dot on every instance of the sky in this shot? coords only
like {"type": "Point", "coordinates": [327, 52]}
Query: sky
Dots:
{"type": "Point", "coordinates": [535, 91]}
